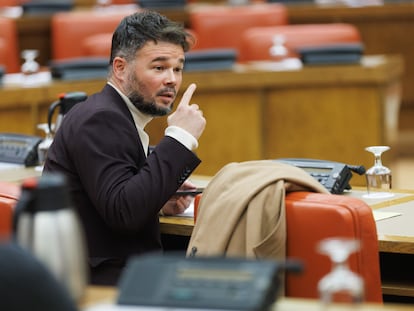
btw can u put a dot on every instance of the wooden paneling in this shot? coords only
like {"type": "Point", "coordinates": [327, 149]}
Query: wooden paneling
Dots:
{"type": "Point", "coordinates": [385, 29]}
{"type": "Point", "coordinates": [326, 112]}
{"type": "Point", "coordinates": [34, 33]}
{"type": "Point", "coordinates": [19, 111]}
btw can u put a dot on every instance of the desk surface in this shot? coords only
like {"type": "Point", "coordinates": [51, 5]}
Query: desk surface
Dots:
{"type": "Point", "coordinates": [100, 295]}
{"type": "Point", "coordinates": [395, 234]}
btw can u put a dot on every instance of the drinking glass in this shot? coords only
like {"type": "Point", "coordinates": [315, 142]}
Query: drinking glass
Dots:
{"type": "Point", "coordinates": [340, 285]}
{"type": "Point", "coordinates": [30, 65]}
{"type": "Point", "coordinates": [44, 145]}
{"type": "Point", "coordinates": [378, 177]}
{"type": "Point", "coordinates": [278, 51]}
{"type": "Point", "coordinates": [103, 3]}
{"type": "Point", "coordinates": [279, 55]}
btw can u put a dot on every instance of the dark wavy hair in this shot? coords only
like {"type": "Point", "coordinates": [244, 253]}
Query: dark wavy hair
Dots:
{"type": "Point", "coordinates": [137, 29]}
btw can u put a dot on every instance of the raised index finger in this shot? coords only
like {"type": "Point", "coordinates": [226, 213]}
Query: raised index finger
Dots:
{"type": "Point", "coordinates": [185, 100]}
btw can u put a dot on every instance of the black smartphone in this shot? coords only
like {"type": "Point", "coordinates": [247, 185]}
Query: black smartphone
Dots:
{"type": "Point", "coordinates": [192, 192]}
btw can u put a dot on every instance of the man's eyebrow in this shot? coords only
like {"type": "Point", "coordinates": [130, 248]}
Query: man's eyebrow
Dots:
{"type": "Point", "coordinates": [160, 58]}
{"type": "Point", "coordinates": [163, 59]}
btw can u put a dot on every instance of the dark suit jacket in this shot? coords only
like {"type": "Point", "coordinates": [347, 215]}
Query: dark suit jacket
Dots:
{"type": "Point", "coordinates": [116, 189]}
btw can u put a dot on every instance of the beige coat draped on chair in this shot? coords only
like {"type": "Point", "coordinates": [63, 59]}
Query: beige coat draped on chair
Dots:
{"type": "Point", "coordinates": [242, 210]}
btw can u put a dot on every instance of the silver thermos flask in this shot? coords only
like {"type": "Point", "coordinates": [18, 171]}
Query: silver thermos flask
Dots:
{"type": "Point", "coordinates": [46, 224]}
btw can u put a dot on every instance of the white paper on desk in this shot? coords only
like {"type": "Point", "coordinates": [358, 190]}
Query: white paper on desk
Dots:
{"type": "Point", "coordinates": [7, 166]}
{"type": "Point", "coordinates": [384, 215]}
{"type": "Point", "coordinates": [189, 212]}
{"type": "Point", "coordinates": [115, 307]}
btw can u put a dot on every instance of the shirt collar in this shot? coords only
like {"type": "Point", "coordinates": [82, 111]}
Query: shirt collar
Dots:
{"type": "Point", "coordinates": [140, 119]}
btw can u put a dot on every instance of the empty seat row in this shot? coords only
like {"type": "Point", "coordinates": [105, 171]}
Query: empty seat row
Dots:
{"type": "Point", "coordinates": [250, 30]}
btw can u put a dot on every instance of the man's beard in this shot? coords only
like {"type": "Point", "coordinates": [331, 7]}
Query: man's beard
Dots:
{"type": "Point", "coordinates": [146, 107]}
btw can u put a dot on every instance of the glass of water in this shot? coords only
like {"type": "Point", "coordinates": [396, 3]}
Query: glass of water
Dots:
{"type": "Point", "coordinates": [378, 177]}
{"type": "Point", "coordinates": [44, 145]}
{"type": "Point", "coordinates": [340, 285]}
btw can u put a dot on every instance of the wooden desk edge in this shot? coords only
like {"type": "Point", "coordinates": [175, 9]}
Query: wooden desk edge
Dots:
{"type": "Point", "coordinates": [396, 244]}
{"type": "Point", "coordinates": [104, 294]}
{"type": "Point", "coordinates": [177, 225]}
{"type": "Point", "coordinates": [98, 294]}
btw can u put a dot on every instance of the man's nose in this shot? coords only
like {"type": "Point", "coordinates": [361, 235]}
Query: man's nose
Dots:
{"type": "Point", "coordinates": [171, 77]}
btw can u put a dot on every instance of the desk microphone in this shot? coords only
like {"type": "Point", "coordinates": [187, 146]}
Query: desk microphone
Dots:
{"type": "Point", "coordinates": [292, 265]}
{"type": "Point", "coordinates": [359, 169]}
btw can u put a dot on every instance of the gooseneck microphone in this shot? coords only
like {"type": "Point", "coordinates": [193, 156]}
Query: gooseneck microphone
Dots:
{"type": "Point", "coordinates": [359, 169]}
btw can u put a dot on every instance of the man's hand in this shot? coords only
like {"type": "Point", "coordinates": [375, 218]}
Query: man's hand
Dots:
{"type": "Point", "coordinates": [188, 117]}
{"type": "Point", "coordinates": [178, 204]}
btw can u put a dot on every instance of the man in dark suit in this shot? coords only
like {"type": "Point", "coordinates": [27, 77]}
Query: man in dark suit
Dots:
{"type": "Point", "coordinates": [101, 147]}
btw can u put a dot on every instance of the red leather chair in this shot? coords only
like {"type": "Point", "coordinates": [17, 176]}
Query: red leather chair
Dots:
{"type": "Point", "coordinates": [79, 33]}
{"type": "Point", "coordinates": [256, 41]}
{"type": "Point", "coordinates": [9, 49]}
{"type": "Point", "coordinates": [219, 26]}
{"type": "Point", "coordinates": [9, 194]}
{"type": "Point", "coordinates": [312, 217]}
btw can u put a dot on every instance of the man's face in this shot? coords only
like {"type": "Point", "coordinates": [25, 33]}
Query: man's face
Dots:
{"type": "Point", "coordinates": [154, 78]}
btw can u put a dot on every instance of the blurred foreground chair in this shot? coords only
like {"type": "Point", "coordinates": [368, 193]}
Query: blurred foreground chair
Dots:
{"type": "Point", "coordinates": [4, 3]}
{"type": "Point", "coordinates": [222, 26]}
{"type": "Point", "coordinates": [9, 194]}
{"type": "Point", "coordinates": [9, 48]}
{"type": "Point", "coordinates": [21, 272]}
{"type": "Point", "coordinates": [312, 217]}
{"type": "Point", "coordinates": [257, 41]}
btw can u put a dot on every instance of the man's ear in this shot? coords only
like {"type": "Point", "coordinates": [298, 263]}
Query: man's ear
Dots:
{"type": "Point", "coordinates": [119, 66]}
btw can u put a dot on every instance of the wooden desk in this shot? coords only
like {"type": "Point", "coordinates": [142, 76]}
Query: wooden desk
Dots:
{"type": "Point", "coordinates": [19, 111]}
{"type": "Point", "coordinates": [324, 112]}
{"type": "Point", "coordinates": [17, 175]}
{"type": "Point", "coordinates": [95, 295]}
{"type": "Point", "coordinates": [383, 31]}
{"type": "Point", "coordinates": [396, 243]}
{"type": "Point", "coordinates": [395, 235]}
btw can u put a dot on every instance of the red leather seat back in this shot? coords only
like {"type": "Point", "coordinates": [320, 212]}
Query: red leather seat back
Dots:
{"type": "Point", "coordinates": [70, 30]}
{"type": "Point", "coordinates": [312, 217]}
{"type": "Point", "coordinates": [222, 26]}
{"type": "Point", "coordinates": [4, 3]}
{"type": "Point", "coordinates": [256, 41]}
{"type": "Point", "coordinates": [9, 194]}
{"type": "Point", "coordinates": [9, 48]}
{"type": "Point", "coordinates": [99, 45]}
